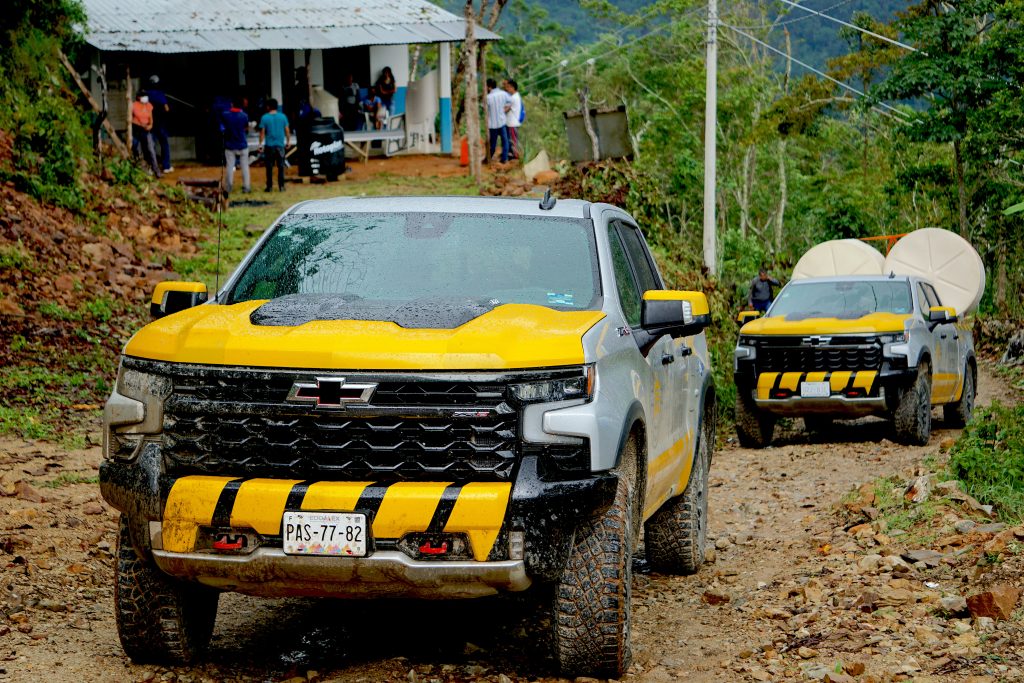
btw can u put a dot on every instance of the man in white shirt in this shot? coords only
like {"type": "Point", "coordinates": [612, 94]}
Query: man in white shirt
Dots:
{"type": "Point", "coordinates": [497, 115]}
{"type": "Point", "coordinates": [514, 118]}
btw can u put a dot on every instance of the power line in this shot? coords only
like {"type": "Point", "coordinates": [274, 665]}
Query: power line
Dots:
{"type": "Point", "coordinates": [787, 22]}
{"type": "Point", "coordinates": [820, 73]}
{"type": "Point", "coordinates": [847, 24]}
{"type": "Point", "coordinates": [540, 78]}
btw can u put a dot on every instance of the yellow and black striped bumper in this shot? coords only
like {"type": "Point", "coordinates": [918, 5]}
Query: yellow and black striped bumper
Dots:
{"type": "Point", "coordinates": [476, 509]}
{"type": "Point", "coordinates": [840, 382]}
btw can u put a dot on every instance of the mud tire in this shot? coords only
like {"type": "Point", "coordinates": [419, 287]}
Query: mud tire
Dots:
{"type": "Point", "coordinates": [913, 415]}
{"type": "Point", "coordinates": [159, 620]}
{"type": "Point", "coordinates": [959, 414]}
{"type": "Point", "coordinates": [591, 607]}
{"type": "Point", "coordinates": [676, 535]}
{"type": "Point", "coordinates": [754, 428]}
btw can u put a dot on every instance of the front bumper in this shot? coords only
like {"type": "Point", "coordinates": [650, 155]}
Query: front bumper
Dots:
{"type": "Point", "coordinates": [519, 532]}
{"type": "Point", "coordinates": [268, 572]}
{"type": "Point", "coordinates": [853, 393]}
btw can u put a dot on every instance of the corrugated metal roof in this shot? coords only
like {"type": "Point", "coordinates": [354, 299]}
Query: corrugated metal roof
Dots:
{"type": "Point", "coordinates": [213, 25]}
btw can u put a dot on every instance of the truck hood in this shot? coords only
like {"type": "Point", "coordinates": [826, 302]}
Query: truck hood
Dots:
{"type": "Point", "coordinates": [872, 323]}
{"type": "Point", "coordinates": [505, 337]}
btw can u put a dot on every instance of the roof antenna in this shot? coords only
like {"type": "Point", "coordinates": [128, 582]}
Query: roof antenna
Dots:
{"type": "Point", "coordinates": [548, 202]}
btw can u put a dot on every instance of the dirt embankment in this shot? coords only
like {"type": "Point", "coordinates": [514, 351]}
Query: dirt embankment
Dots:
{"type": "Point", "coordinates": [802, 584]}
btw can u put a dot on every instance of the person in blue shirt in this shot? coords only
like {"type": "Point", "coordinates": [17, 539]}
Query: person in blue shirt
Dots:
{"type": "Point", "coordinates": [274, 136]}
{"type": "Point", "coordinates": [236, 145]}
{"type": "Point", "coordinates": [161, 112]}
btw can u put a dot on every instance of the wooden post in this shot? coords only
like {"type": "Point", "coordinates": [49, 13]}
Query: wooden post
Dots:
{"type": "Point", "coordinates": [472, 97]}
{"type": "Point", "coordinates": [129, 97]}
{"type": "Point", "coordinates": [107, 126]}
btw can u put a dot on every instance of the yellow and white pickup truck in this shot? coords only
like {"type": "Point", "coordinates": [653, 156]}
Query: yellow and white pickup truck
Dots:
{"type": "Point", "coordinates": [852, 346]}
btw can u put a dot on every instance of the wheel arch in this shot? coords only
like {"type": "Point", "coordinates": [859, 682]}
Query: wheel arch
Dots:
{"type": "Point", "coordinates": [635, 426]}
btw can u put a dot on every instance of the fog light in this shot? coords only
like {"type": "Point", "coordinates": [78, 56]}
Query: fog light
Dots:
{"type": "Point", "coordinates": [516, 545]}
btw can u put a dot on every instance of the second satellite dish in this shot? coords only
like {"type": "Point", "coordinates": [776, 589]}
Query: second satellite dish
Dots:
{"type": "Point", "coordinates": [946, 260]}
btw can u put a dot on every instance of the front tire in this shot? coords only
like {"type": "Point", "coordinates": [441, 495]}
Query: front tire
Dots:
{"type": "Point", "coordinates": [754, 428]}
{"type": "Point", "coordinates": [592, 597]}
{"type": "Point", "coordinates": [159, 620]}
{"type": "Point", "coordinates": [675, 536]}
{"type": "Point", "coordinates": [913, 416]}
{"type": "Point", "coordinates": [959, 414]}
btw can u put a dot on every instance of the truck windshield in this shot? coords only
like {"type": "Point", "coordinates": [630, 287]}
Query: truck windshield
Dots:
{"type": "Point", "coordinates": [403, 257]}
{"type": "Point", "coordinates": [842, 299]}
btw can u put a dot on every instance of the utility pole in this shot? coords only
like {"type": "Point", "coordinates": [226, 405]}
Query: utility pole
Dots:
{"type": "Point", "coordinates": [710, 130]}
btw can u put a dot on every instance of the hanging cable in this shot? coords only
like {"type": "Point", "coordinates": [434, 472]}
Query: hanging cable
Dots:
{"type": "Point", "coordinates": [797, 20]}
{"type": "Point", "coordinates": [847, 24]}
{"type": "Point", "coordinates": [824, 75]}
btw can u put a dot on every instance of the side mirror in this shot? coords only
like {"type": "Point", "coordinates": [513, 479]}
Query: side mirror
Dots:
{"type": "Point", "coordinates": [745, 317]}
{"type": "Point", "coordinates": [938, 315]}
{"type": "Point", "coordinates": [679, 314]}
{"type": "Point", "coordinates": [171, 297]}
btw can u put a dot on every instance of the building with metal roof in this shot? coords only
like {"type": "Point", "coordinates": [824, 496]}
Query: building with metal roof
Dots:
{"type": "Point", "coordinates": [208, 50]}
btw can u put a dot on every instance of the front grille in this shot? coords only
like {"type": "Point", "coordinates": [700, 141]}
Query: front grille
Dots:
{"type": "Point", "coordinates": [237, 422]}
{"type": "Point", "coordinates": [838, 353]}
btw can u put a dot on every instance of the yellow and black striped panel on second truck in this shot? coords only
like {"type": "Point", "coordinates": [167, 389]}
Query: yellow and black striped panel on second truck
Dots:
{"type": "Point", "coordinates": [851, 346]}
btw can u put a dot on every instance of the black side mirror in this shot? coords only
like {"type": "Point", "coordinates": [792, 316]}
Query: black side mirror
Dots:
{"type": "Point", "coordinates": [680, 314]}
{"type": "Point", "coordinates": [171, 297]}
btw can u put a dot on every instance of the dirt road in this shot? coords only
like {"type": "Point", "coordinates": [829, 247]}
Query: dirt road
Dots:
{"type": "Point", "coordinates": [777, 603]}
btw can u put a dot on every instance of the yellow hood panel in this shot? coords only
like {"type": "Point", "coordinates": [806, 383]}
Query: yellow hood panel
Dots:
{"type": "Point", "coordinates": [874, 322]}
{"type": "Point", "coordinates": [509, 336]}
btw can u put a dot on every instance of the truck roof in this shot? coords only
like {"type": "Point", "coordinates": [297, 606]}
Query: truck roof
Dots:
{"type": "Point", "coordinates": [859, 278]}
{"type": "Point", "coordinates": [563, 208]}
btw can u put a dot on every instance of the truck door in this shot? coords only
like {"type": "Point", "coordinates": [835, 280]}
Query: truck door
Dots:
{"type": "Point", "coordinates": [669, 367]}
{"type": "Point", "coordinates": [945, 355]}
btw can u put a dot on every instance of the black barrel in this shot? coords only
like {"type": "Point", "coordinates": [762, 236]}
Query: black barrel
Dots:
{"type": "Point", "coordinates": [326, 149]}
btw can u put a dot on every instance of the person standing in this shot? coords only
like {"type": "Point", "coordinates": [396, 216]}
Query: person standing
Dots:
{"type": "Point", "coordinates": [161, 112]}
{"type": "Point", "coordinates": [350, 118]}
{"type": "Point", "coordinates": [274, 135]}
{"type": "Point", "coordinates": [761, 291]}
{"type": "Point", "coordinates": [514, 119]}
{"type": "Point", "coordinates": [386, 86]}
{"type": "Point", "coordinates": [236, 146]}
{"type": "Point", "coordinates": [142, 130]}
{"type": "Point", "coordinates": [497, 116]}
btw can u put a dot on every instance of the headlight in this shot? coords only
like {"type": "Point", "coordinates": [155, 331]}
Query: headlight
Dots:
{"type": "Point", "coordinates": [561, 389]}
{"type": "Point", "coordinates": [897, 338]}
{"type": "Point", "coordinates": [134, 409]}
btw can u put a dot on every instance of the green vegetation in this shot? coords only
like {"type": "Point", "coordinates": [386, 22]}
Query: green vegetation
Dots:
{"type": "Point", "coordinates": [69, 479]}
{"type": "Point", "coordinates": [49, 136]}
{"type": "Point", "coordinates": [16, 257]}
{"type": "Point", "coordinates": [989, 459]}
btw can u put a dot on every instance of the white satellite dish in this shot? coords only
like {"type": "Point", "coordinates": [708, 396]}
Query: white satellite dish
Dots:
{"type": "Point", "coordinates": [839, 257]}
{"type": "Point", "coordinates": [946, 260]}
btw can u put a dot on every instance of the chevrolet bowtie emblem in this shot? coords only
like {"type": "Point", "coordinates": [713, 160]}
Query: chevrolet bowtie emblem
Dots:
{"type": "Point", "coordinates": [330, 393]}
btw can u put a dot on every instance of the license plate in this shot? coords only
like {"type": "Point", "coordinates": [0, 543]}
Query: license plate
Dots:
{"type": "Point", "coordinates": [324, 533]}
{"type": "Point", "coordinates": [815, 389]}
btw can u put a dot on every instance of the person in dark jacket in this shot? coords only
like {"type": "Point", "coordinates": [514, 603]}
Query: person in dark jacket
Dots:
{"type": "Point", "coordinates": [236, 145]}
{"type": "Point", "coordinates": [761, 291]}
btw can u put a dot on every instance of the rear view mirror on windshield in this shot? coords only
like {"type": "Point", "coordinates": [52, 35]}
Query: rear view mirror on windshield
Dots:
{"type": "Point", "coordinates": [678, 313]}
{"type": "Point", "coordinates": [171, 297]}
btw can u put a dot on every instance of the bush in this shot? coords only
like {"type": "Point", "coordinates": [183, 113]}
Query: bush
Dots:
{"type": "Point", "coordinates": [989, 459]}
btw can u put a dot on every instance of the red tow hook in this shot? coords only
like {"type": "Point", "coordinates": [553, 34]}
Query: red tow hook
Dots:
{"type": "Point", "coordinates": [428, 549]}
{"type": "Point", "coordinates": [223, 543]}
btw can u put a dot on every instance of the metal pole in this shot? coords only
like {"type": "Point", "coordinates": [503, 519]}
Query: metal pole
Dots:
{"type": "Point", "coordinates": [710, 128]}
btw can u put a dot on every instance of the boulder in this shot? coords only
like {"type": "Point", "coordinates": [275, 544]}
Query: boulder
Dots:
{"type": "Point", "coordinates": [996, 603]}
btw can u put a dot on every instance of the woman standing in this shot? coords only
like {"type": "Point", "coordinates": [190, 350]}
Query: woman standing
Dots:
{"type": "Point", "coordinates": [386, 86]}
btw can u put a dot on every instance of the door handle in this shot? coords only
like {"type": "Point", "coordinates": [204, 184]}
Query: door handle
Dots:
{"type": "Point", "coordinates": [685, 351]}
{"type": "Point", "coordinates": [667, 358]}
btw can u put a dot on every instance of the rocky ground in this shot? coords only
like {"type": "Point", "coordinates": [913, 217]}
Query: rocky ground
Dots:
{"type": "Point", "coordinates": [824, 567]}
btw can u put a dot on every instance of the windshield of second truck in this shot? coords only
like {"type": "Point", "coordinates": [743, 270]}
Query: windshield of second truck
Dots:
{"type": "Point", "coordinates": [846, 300]}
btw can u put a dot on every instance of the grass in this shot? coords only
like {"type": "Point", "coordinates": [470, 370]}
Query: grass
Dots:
{"type": "Point", "coordinates": [988, 459]}
{"type": "Point", "coordinates": [16, 257]}
{"type": "Point", "coordinates": [68, 479]}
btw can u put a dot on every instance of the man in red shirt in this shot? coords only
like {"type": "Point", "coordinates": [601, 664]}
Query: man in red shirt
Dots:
{"type": "Point", "coordinates": [142, 130]}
